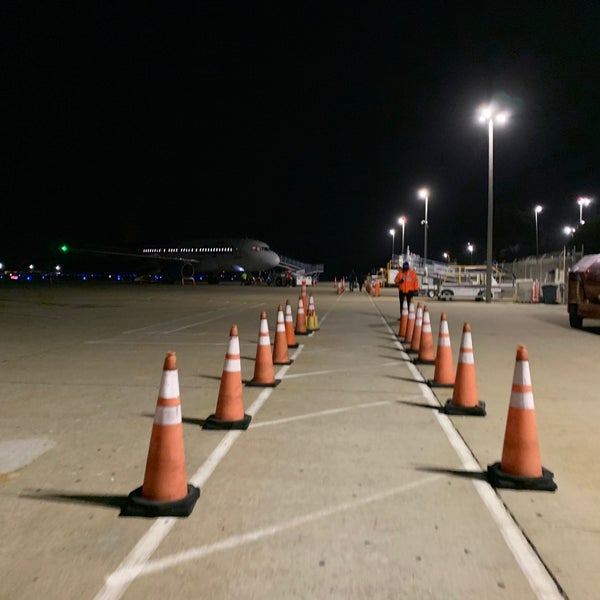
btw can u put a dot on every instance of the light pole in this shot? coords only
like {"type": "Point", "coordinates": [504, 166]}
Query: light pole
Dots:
{"type": "Point", "coordinates": [537, 210]}
{"type": "Point", "coordinates": [446, 255]}
{"type": "Point", "coordinates": [470, 248]}
{"type": "Point", "coordinates": [489, 114]}
{"type": "Point", "coordinates": [424, 193]}
{"type": "Point", "coordinates": [402, 221]}
{"type": "Point", "coordinates": [582, 202]}
{"type": "Point", "coordinates": [393, 234]}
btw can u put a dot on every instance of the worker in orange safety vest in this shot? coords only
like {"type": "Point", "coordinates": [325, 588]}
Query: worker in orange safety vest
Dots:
{"type": "Point", "coordinates": [407, 283]}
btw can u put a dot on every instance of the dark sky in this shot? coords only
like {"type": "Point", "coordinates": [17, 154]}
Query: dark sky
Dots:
{"type": "Point", "coordinates": [308, 125]}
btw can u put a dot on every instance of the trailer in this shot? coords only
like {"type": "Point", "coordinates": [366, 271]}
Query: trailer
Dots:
{"type": "Point", "coordinates": [583, 290]}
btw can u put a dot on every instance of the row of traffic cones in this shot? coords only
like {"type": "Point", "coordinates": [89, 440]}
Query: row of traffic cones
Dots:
{"type": "Point", "coordinates": [165, 490]}
{"type": "Point", "coordinates": [520, 467]}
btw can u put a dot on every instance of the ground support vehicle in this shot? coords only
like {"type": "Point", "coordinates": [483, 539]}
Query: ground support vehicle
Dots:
{"type": "Point", "coordinates": [583, 290]}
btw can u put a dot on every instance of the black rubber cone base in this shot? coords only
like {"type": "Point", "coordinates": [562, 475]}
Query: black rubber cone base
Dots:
{"type": "Point", "coordinates": [434, 383]}
{"type": "Point", "coordinates": [253, 383]}
{"type": "Point", "coordinates": [138, 506]}
{"type": "Point", "coordinates": [293, 345]}
{"type": "Point", "coordinates": [213, 423]}
{"type": "Point", "coordinates": [454, 409]}
{"type": "Point", "coordinates": [422, 361]}
{"type": "Point", "coordinates": [287, 362]}
{"type": "Point", "coordinates": [499, 479]}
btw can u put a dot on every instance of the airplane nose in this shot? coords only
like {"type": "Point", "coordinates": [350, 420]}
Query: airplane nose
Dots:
{"type": "Point", "coordinates": [274, 259]}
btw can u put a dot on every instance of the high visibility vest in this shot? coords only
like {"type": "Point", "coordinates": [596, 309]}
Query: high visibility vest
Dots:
{"type": "Point", "coordinates": [407, 281]}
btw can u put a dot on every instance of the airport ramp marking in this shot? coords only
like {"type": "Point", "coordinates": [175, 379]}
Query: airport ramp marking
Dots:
{"type": "Point", "coordinates": [332, 411]}
{"type": "Point", "coordinates": [15, 454]}
{"type": "Point", "coordinates": [126, 574]}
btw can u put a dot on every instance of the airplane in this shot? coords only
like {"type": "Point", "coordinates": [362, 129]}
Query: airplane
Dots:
{"type": "Point", "coordinates": [204, 257]}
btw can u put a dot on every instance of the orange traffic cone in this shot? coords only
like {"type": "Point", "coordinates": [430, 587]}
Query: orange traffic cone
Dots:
{"type": "Point", "coordinates": [289, 326]}
{"type": "Point", "coordinates": [403, 319]}
{"type": "Point", "coordinates": [464, 396]}
{"type": "Point", "coordinates": [416, 336]}
{"type": "Point", "coordinates": [426, 353]}
{"type": "Point", "coordinates": [443, 375]}
{"type": "Point", "coordinates": [229, 413]}
{"type": "Point", "coordinates": [301, 319]}
{"type": "Point", "coordinates": [377, 290]}
{"type": "Point", "coordinates": [165, 491]}
{"type": "Point", "coordinates": [521, 465]}
{"type": "Point", "coordinates": [280, 345]}
{"type": "Point", "coordinates": [312, 321]}
{"type": "Point", "coordinates": [303, 295]}
{"type": "Point", "coordinates": [264, 373]}
{"type": "Point", "coordinates": [410, 323]}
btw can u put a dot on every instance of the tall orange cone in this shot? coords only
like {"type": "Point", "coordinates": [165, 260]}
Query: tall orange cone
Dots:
{"type": "Point", "coordinates": [426, 354]}
{"type": "Point", "coordinates": [464, 396]}
{"type": "Point", "coordinates": [410, 323]}
{"type": "Point", "coordinates": [444, 374]}
{"type": "Point", "coordinates": [229, 413]}
{"type": "Point", "coordinates": [416, 336]}
{"type": "Point", "coordinates": [403, 319]}
{"type": "Point", "coordinates": [264, 373]}
{"type": "Point", "coordinates": [303, 295]}
{"type": "Point", "coordinates": [289, 326]}
{"type": "Point", "coordinates": [280, 346]}
{"type": "Point", "coordinates": [301, 319]}
{"type": "Point", "coordinates": [312, 321]}
{"type": "Point", "coordinates": [165, 491]}
{"type": "Point", "coordinates": [521, 464]}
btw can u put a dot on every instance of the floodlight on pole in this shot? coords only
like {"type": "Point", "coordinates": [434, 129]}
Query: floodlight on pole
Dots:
{"type": "Point", "coordinates": [537, 210]}
{"type": "Point", "coordinates": [489, 114]}
{"type": "Point", "coordinates": [402, 221]}
{"type": "Point", "coordinates": [582, 202]}
{"type": "Point", "coordinates": [424, 193]}
{"type": "Point", "coordinates": [393, 234]}
{"type": "Point", "coordinates": [470, 248]}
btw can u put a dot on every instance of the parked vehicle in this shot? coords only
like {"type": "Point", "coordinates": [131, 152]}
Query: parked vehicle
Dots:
{"type": "Point", "coordinates": [583, 290]}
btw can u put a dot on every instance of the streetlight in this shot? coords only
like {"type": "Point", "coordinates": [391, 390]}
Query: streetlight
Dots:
{"type": "Point", "coordinates": [393, 234]}
{"type": "Point", "coordinates": [424, 193]}
{"type": "Point", "coordinates": [568, 230]}
{"type": "Point", "coordinates": [582, 202]}
{"type": "Point", "coordinates": [489, 114]}
{"type": "Point", "coordinates": [402, 221]}
{"type": "Point", "coordinates": [537, 210]}
{"type": "Point", "coordinates": [470, 248]}
{"type": "Point", "coordinates": [446, 255]}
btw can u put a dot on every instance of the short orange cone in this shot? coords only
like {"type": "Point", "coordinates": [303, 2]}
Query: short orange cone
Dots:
{"type": "Point", "coordinates": [415, 340]}
{"type": "Point", "coordinates": [312, 321]}
{"type": "Point", "coordinates": [280, 346]}
{"type": "Point", "coordinates": [229, 413]}
{"type": "Point", "coordinates": [264, 373]}
{"type": "Point", "coordinates": [426, 354]}
{"type": "Point", "coordinates": [289, 326]}
{"type": "Point", "coordinates": [165, 491]}
{"type": "Point", "coordinates": [301, 319]}
{"type": "Point", "coordinates": [403, 319]}
{"type": "Point", "coordinates": [521, 464]}
{"type": "Point", "coordinates": [464, 396]}
{"type": "Point", "coordinates": [444, 374]}
{"type": "Point", "coordinates": [410, 323]}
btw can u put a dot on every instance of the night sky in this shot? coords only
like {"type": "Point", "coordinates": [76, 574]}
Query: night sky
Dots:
{"type": "Point", "coordinates": [310, 126]}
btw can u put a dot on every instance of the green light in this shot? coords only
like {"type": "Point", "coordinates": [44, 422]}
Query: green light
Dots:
{"type": "Point", "coordinates": [64, 248]}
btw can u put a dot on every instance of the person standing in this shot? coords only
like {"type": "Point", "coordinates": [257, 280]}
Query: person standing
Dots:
{"type": "Point", "coordinates": [352, 280]}
{"type": "Point", "coordinates": [407, 283]}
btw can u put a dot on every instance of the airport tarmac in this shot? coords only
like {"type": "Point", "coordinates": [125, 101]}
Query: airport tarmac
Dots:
{"type": "Point", "coordinates": [350, 482]}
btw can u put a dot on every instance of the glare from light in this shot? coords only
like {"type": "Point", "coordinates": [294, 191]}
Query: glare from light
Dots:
{"type": "Point", "coordinates": [538, 209]}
